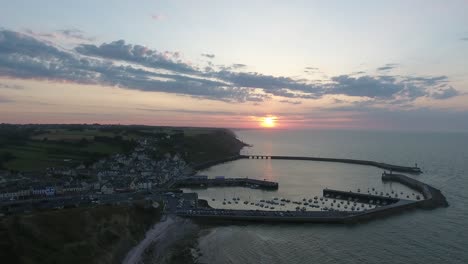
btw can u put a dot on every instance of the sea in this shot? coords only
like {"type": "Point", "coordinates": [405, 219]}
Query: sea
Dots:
{"type": "Point", "coordinates": [417, 236]}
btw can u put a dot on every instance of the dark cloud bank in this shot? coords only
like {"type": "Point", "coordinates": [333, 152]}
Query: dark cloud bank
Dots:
{"type": "Point", "coordinates": [140, 68]}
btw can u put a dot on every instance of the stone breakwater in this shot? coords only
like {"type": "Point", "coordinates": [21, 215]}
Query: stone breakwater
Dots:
{"type": "Point", "coordinates": [385, 166]}
{"type": "Point", "coordinates": [433, 197]}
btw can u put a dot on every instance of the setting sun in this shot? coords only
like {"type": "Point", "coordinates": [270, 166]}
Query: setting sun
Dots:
{"type": "Point", "coordinates": [268, 121]}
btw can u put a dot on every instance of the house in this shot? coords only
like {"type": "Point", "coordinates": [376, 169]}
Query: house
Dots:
{"type": "Point", "coordinates": [107, 188]}
{"type": "Point", "coordinates": [73, 188]}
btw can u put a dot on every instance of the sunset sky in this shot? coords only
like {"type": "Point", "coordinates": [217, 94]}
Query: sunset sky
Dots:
{"type": "Point", "coordinates": [384, 65]}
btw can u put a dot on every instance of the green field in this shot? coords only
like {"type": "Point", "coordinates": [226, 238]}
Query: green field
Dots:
{"type": "Point", "coordinates": [37, 147]}
{"type": "Point", "coordinates": [38, 155]}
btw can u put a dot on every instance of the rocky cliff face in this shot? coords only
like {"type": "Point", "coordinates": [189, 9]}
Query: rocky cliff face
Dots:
{"type": "Point", "coordinates": [82, 235]}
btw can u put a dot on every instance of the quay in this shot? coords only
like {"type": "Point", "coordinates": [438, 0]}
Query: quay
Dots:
{"type": "Point", "coordinates": [217, 215]}
{"type": "Point", "coordinates": [385, 166]}
{"type": "Point", "coordinates": [225, 182]}
{"type": "Point", "coordinates": [358, 197]}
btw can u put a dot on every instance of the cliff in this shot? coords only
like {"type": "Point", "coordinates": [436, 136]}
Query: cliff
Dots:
{"type": "Point", "coordinates": [81, 235]}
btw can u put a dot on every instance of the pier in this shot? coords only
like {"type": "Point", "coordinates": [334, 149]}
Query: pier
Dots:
{"type": "Point", "coordinates": [385, 166]}
{"type": "Point", "coordinates": [225, 182]}
{"type": "Point", "coordinates": [381, 165]}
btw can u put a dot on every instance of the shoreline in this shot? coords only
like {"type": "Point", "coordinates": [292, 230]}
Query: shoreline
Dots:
{"type": "Point", "coordinates": [169, 241]}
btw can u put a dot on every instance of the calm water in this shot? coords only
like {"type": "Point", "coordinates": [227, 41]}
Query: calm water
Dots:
{"type": "Point", "coordinates": [418, 236]}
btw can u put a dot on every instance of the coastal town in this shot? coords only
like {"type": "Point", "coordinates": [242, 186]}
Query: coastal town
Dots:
{"type": "Point", "coordinates": [118, 173]}
{"type": "Point", "coordinates": [154, 171]}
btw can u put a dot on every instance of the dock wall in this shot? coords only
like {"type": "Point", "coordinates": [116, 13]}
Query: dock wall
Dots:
{"type": "Point", "coordinates": [226, 182]}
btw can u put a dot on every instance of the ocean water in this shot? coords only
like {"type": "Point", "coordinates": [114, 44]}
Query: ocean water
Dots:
{"type": "Point", "coordinates": [418, 236]}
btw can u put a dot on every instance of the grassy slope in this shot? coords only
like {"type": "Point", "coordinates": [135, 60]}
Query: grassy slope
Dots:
{"type": "Point", "coordinates": [83, 235]}
{"type": "Point", "coordinates": [212, 146]}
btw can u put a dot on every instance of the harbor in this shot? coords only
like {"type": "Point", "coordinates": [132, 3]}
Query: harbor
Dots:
{"type": "Point", "coordinates": [333, 206]}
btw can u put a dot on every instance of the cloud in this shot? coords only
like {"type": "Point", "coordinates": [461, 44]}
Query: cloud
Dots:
{"type": "Point", "coordinates": [158, 17]}
{"type": "Point", "coordinates": [140, 68]}
{"type": "Point", "coordinates": [238, 65]}
{"type": "Point", "coordinates": [187, 111]}
{"type": "Point", "coordinates": [208, 55]}
{"type": "Point", "coordinates": [427, 81]}
{"type": "Point", "coordinates": [290, 102]}
{"type": "Point", "coordinates": [76, 34]}
{"type": "Point", "coordinates": [311, 68]}
{"type": "Point", "coordinates": [388, 66]}
{"type": "Point", "coordinates": [11, 86]}
{"type": "Point", "coordinates": [367, 86]}
{"type": "Point", "coordinates": [118, 50]}
{"type": "Point", "coordinates": [464, 39]}
{"type": "Point", "coordinates": [444, 93]}
{"type": "Point", "coordinates": [72, 34]}
{"type": "Point", "coordinates": [4, 100]}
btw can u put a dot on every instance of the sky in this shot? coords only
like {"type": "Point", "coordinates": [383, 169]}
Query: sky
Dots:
{"type": "Point", "coordinates": [367, 65]}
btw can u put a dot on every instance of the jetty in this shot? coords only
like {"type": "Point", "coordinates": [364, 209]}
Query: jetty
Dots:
{"type": "Point", "coordinates": [385, 166]}
{"type": "Point", "coordinates": [205, 182]}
